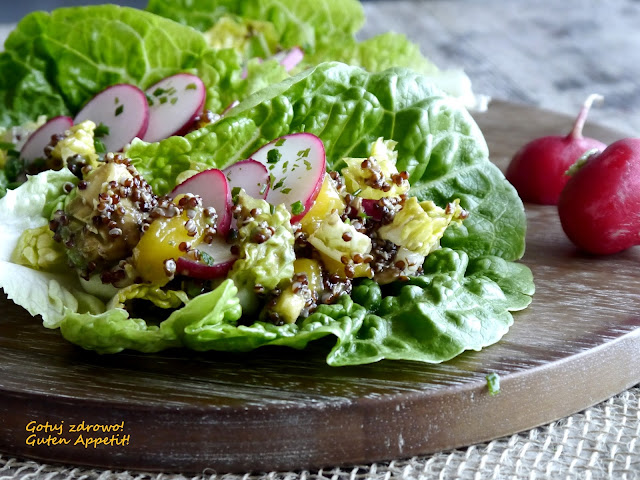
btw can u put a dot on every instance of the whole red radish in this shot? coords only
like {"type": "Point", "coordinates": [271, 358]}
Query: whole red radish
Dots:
{"type": "Point", "coordinates": [599, 207]}
{"type": "Point", "coordinates": [537, 170]}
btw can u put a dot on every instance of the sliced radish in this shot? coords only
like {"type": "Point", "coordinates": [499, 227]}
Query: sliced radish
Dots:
{"type": "Point", "coordinates": [174, 103]}
{"type": "Point", "coordinates": [219, 256]}
{"type": "Point", "coordinates": [123, 109]}
{"type": "Point", "coordinates": [250, 175]}
{"type": "Point", "coordinates": [212, 186]}
{"type": "Point", "coordinates": [289, 58]}
{"type": "Point", "coordinates": [296, 170]}
{"type": "Point", "coordinates": [38, 140]}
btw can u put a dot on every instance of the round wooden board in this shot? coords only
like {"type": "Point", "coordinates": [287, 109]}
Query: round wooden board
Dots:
{"type": "Point", "coordinates": [278, 409]}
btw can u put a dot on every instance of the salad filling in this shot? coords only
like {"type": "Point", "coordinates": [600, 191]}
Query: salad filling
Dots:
{"type": "Point", "coordinates": [117, 232]}
{"type": "Point", "coordinates": [294, 199]}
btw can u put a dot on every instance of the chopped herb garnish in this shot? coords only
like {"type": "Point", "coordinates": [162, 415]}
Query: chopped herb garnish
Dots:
{"type": "Point", "coordinates": [149, 100]}
{"type": "Point", "coordinates": [13, 168]}
{"type": "Point", "coordinates": [285, 166]}
{"type": "Point", "coordinates": [493, 383]}
{"type": "Point", "coordinates": [286, 190]}
{"type": "Point", "coordinates": [38, 162]}
{"type": "Point", "coordinates": [235, 191]}
{"type": "Point", "coordinates": [7, 146]}
{"type": "Point", "coordinates": [101, 130]}
{"type": "Point", "coordinates": [307, 163]}
{"type": "Point", "coordinates": [280, 142]}
{"type": "Point", "coordinates": [159, 91]}
{"type": "Point", "coordinates": [273, 156]}
{"type": "Point", "coordinates": [304, 153]}
{"type": "Point", "coordinates": [174, 100]}
{"type": "Point", "coordinates": [191, 86]}
{"type": "Point", "coordinates": [363, 216]}
{"type": "Point", "coordinates": [272, 208]}
{"type": "Point", "coordinates": [99, 145]}
{"type": "Point", "coordinates": [206, 258]}
{"type": "Point", "coordinates": [117, 101]}
{"type": "Point", "coordinates": [163, 100]}
{"type": "Point", "coordinates": [119, 110]}
{"type": "Point", "coordinates": [297, 208]}
{"type": "Point", "coordinates": [357, 192]}
{"type": "Point", "coordinates": [279, 184]}
{"type": "Point", "coordinates": [263, 188]}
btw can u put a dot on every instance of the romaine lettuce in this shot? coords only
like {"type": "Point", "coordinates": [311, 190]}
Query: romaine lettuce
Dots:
{"type": "Point", "coordinates": [311, 25]}
{"type": "Point", "coordinates": [325, 30]}
{"type": "Point", "coordinates": [439, 144]}
{"type": "Point", "coordinates": [54, 63]}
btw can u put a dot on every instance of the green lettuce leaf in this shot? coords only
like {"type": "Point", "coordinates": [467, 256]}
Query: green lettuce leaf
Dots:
{"type": "Point", "coordinates": [326, 31]}
{"type": "Point", "coordinates": [463, 301]}
{"type": "Point", "coordinates": [54, 63]}
{"type": "Point", "coordinates": [439, 144]}
{"type": "Point", "coordinates": [312, 25]}
{"type": "Point", "coordinates": [48, 294]}
{"type": "Point", "coordinates": [376, 54]}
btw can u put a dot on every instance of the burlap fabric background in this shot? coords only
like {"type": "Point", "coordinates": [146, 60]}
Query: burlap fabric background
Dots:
{"type": "Point", "coordinates": [545, 53]}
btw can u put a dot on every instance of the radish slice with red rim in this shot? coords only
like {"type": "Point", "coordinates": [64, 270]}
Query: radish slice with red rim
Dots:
{"type": "Point", "coordinates": [212, 186]}
{"type": "Point", "coordinates": [250, 175]}
{"type": "Point", "coordinates": [123, 109]}
{"type": "Point", "coordinates": [296, 164]}
{"type": "Point", "coordinates": [215, 261]}
{"type": "Point", "coordinates": [174, 104]}
{"type": "Point", "coordinates": [41, 138]}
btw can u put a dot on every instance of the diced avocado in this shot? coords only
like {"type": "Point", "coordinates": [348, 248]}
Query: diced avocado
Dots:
{"type": "Point", "coordinates": [265, 241]}
{"type": "Point", "coordinates": [96, 231]}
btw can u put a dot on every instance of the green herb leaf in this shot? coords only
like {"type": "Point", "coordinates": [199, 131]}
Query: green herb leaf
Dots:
{"type": "Point", "coordinates": [297, 208]}
{"type": "Point", "coordinates": [274, 155]}
{"type": "Point", "coordinates": [493, 383]}
{"type": "Point", "coordinates": [101, 130]}
{"type": "Point", "coordinates": [99, 146]}
{"type": "Point", "coordinates": [206, 258]}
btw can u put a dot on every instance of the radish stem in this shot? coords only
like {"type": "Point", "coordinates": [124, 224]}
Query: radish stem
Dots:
{"type": "Point", "coordinates": [576, 131]}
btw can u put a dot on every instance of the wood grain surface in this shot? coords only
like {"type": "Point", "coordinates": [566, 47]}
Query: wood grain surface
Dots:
{"type": "Point", "coordinates": [278, 409]}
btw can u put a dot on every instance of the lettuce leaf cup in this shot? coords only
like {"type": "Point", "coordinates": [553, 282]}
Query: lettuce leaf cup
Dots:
{"type": "Point", "coordinates": [461, 299]}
